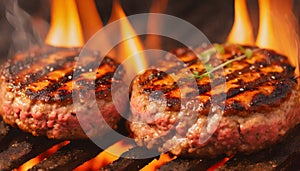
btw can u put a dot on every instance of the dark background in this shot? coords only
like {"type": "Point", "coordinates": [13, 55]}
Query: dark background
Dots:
{"type": "Point", "coordinates": [213, 17]}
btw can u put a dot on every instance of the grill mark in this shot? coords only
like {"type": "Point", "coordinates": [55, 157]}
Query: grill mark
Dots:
{"type": "Point", "coordinates": [261, 102]}
{"type": "Point", "coordinates": [32, 77]}
{"type": "Point", "coordinates": [281, 91]}
{"type": "Point", "coordinates": [249, 86]}
{"type": "Point", "coordinates": [261, 60]}
{"type": "Point", "coordinates": [154, 76]}
{"type": "Point", "coordinates": [44, 94]}
{"type": "Point", "coordinates": [29, 76]}
{"type": "Point", "coordinates": [26, 61]}
{"type": "Point", "coordinates": [61, 89]}
{"type": "Point", "coordinates": [203, 88]}
{"type": "Point", "coordinates": [173, 104]}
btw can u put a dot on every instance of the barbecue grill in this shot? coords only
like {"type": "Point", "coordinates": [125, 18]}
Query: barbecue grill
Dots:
{"type": "Point", "coordinates": [17, 147]}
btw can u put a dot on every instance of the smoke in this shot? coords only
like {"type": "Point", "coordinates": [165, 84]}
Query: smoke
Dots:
{"type": "Point", "coordinates": [24, 35]}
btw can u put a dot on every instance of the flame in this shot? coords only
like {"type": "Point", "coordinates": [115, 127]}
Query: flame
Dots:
{"type": "Point", "coordinates": [34, 161]}
{"type": "Point", "coordinates": [105, 158]}
{"type": "Point", "coordinates": [65, 28]}
{"type": "Point", "coordinates": [131, 44]}
{"type": "Point", "coordinates": [155, 164]}
{"type": "Point", "coordinates": [154, 41]}
{"type": "Point", "coordinates": [89, 18]}
{"type": "Point", "coordinates": [241, 31]}
{"type": "Point", "coordinates": [219, 164]}
{"type": "Point", "coordinates": [278, 28]}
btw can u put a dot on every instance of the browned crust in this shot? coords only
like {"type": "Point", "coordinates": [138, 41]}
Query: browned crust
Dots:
{"type": "Point", "coordinates": [253, 119]}
{"type": "Point", "coordinates": [48, 77]}
{"type": "Point", "coordinates": [37, 88]}
{"type": "Point", "coordinates": [253, 84]}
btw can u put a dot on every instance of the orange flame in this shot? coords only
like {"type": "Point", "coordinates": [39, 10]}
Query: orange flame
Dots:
{"type": "Point", "coordinates": [154, 41]}
{"type": "Point", "coordinates": [65, 28]}
{"type": "Point", "coordinates": [155, 164]}
{"type": "Point", "coordinates": [32, 162]}
{"type": "Point", "coordinates": [89, 18]}
{"type": "Point", "coordinates": [132, 44]}
{"type": "Point", "coordinates": [278, 28]}
{"type": "Point", "coordinates": [241, 31]}
{"type": "Point", "coordinates": [105, 158]}
{"type": "Point", "coordinates": [219, 164]}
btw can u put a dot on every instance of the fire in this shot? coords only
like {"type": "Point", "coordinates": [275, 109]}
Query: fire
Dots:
{"type": "Point", "coordinates": [155, 164]}
{"type": "Point", "coordinates": [29, 164]}
{"type": "Point", "coordinates": [219, 164]}
{"type": "Point", "coordinates": [154, 41]}
{"type": "Point", "coordinates": [241, 31]}
{"type": "Point", "coordinates": [105, 158]}
{"type": "Point", "coordinates": [89, 18]}
{"type": "Point", "coordinates": [65, 28]}
{"type": "Point", "coordinates": [278, 28]}
{"type": "Point", "coordinates": [132, 44]}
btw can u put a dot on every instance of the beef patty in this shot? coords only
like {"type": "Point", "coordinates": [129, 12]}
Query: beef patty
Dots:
{"type": "Point", "coordinates": [255, 94]}
{"type": "Point", "coordinates": [36, 91]}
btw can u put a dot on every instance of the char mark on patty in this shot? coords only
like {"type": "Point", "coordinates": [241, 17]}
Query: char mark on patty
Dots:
{"type": "Point", "coordinates": [49, 76]}
{"type": "Point", "coordinates": [252, 84]}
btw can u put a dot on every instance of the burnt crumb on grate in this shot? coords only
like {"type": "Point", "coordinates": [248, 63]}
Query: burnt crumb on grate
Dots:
{"type": "Point", "coordinates": [132, 160]}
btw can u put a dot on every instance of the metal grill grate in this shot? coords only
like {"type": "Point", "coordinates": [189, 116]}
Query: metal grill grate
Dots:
{"type": "Point", "coordinates": [17, 147]}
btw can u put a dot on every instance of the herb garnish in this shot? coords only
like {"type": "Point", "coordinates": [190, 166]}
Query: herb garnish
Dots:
{"type": "Point", "coordinates": [217, 48]}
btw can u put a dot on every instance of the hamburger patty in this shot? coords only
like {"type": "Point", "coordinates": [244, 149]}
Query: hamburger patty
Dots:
{"type": "Point", "coordinates": [245, 106]}
{"type": "Point", "coordinates": [36, 91]}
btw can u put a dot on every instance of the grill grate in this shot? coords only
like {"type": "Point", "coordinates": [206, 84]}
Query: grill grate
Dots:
{"type": "Point", "coordinates": [17, 147]}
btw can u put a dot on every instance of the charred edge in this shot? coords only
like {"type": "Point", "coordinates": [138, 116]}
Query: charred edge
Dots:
{"type": "Point", "coordinates": [245, 86]}
{"type": "Point", "coordinates": [282, 91]}
{"type": "Point", "coordinates": [63, 95]}
{"type": "Point", "coordinates": [35, 77]}
{"type": "Point", "coordinates": [249, 68]}
{"type": "Point", "coordinates": [276, 58]}
{"type": "Point", "coordinates": [105, 79]}
{"type": "Point", "coordinates": [179, 66]}
{"type": "Point", "coordinates": [265, 77]}
{"type": "Point", "coordinates": [44, 94]}
{"type": "Point", "coordinates": [288, 71]}
{"type": "Point", "coordinates": [18, 66]}
{"type": "Point", "coordinates": [15, 69]}
{"type": "Point", "coordinates": [154, 75]}
{"type": "Point", "coordinates": [173, 104]}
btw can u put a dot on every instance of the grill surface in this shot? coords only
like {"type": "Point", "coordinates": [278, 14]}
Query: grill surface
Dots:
{"type": "Point", "coordinates": [17, 147]}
